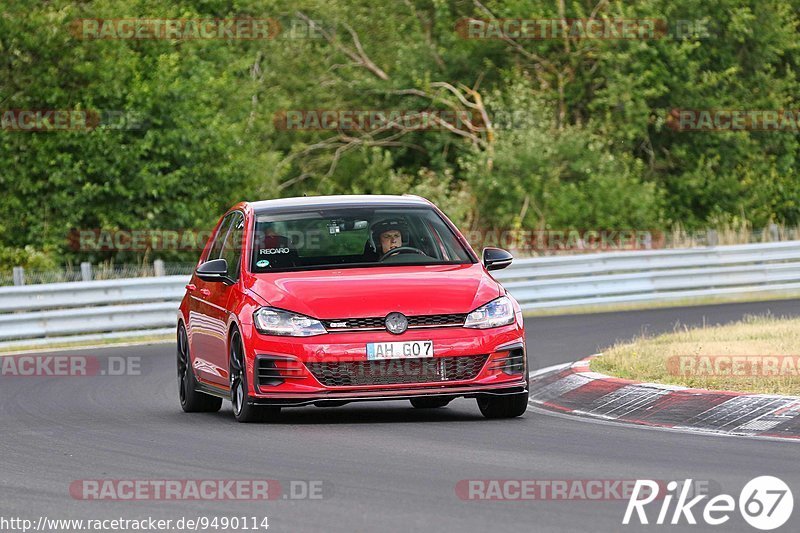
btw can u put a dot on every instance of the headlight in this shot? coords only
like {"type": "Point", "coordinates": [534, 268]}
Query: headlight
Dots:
{"type": "Point", "coordinates": [499, 312]}
{"type": "Point", "coordinates": [272, 321]}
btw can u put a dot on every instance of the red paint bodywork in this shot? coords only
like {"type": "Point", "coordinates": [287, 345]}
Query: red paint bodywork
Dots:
{"type": "Point", "coordinates": [341, 294]}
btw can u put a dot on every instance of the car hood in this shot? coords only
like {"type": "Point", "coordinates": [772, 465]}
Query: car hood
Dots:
{"type": "Point", "coordinates": [378, 291]}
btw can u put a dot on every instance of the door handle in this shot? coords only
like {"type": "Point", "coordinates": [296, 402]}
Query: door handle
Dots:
{"type": "Point", "coordinates": [205, 292]}
{"type": "Point", "coordinates": [191, 287]}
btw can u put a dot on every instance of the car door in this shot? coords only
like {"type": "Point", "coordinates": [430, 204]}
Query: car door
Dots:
{"type": "Point", "coordinates": [222, 296]}
{"type": "Point", "coordinates": [207, 322]}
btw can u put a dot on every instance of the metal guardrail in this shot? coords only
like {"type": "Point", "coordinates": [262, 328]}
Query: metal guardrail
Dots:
{"type": "Point", "coordinates": [653, 276]}
{"type": "Point", "coordinates": [56, 312]}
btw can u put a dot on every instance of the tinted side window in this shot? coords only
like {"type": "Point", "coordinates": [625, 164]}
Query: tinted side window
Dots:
{"type": "Point", "coordinates": [219, 238]}
{"type": "Point", "coordinates": [232, 250]}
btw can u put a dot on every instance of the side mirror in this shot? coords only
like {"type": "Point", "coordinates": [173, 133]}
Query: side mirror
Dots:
{"type": "Point", "coordinates": [495, 258]}
{"type": "Point", "coordinates": [214, 270]}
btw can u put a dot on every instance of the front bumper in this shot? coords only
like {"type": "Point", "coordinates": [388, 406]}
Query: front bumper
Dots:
{"type": "Point", "coordinates": [292, 358]}
{"type": "Point", "coordinates": [341, 398]}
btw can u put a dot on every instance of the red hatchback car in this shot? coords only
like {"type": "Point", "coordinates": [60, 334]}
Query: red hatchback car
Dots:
{"type": "Point", "coordinates": [330, 300]}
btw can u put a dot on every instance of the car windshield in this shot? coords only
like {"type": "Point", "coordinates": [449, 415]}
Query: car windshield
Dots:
{"type": "Point", "coordinates": [353, 237]}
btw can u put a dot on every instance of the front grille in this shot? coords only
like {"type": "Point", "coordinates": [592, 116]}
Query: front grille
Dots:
{"type": "Point", "coordinates": [354, 323]}
{"type": "Point", "coordinates": [436, 320]}
{"type": "Point", "coordinates": [397, 371]}
{"type": "Point", "coordinates": [377, 323]}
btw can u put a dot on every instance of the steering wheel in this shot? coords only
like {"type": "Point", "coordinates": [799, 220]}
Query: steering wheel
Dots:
{"type": "Point", "coordinates": [401, 250]}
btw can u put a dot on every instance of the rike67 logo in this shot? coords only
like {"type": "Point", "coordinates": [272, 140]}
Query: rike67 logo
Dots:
{"type": "Point", "coordinates": [765, 503]}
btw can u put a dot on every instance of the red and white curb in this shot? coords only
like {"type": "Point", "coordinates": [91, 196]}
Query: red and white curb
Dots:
{"type": "Point", "coordinates": [574, 389]}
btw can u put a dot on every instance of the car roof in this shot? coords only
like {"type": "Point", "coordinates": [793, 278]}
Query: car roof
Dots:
{"type": "Point", "coordinates": [373, 200]}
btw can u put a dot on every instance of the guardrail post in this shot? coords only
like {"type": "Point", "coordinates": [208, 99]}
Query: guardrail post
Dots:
{"type": "Point", "coordinates": [19, 276]}
{"type": "Point", "coordinates": [86, 271]}
{"type": "Point", "coordinates": [774, 236]}
{"type": "Point", "coordinates": [158, 268]}
{"type": "Point", "coordinates": [647, 241]}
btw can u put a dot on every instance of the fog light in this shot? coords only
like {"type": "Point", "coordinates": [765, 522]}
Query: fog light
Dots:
{"type": "Point", "coordinates": [513, 363]}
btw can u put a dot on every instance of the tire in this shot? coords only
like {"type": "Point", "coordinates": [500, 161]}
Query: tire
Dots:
{"type": "Point", "coordinates": [430, 403]}
{"type": "Point", "coordinates": [191, 400]}
{"type": "Point", "coordinates": [510, 406]}
{"type": "Point", "coordinates": [243, 410]}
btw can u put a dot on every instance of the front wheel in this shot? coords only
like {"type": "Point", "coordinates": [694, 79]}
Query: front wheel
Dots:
{"type": "Point", "coordinates": [243, 410]}
{"type": "Point", "coordinates": [510, 406]}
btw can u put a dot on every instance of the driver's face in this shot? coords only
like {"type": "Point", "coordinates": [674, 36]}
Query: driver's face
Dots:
{"type": "Point", "coordinates": [391, 239]}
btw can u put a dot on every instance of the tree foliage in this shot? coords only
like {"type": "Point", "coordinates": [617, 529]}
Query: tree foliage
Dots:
{"type": "Point", "coordinates": [577, 135]}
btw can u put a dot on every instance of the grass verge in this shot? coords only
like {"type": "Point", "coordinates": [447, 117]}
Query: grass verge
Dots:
{"type": "Point", "coordinates": [759, 354]}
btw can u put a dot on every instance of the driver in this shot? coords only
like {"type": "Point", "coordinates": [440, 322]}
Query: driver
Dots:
{"type": "Point", "coordinates": [391, 239]}
{"type": "Point", "coordinates": [388, 234]}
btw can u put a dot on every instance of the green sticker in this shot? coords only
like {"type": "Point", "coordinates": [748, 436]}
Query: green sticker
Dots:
{"type": "Point", "coordinates": [262, 263]}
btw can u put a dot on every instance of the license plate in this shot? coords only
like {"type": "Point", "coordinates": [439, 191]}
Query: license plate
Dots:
{"type": "Point", "coordinates": [399, 350]}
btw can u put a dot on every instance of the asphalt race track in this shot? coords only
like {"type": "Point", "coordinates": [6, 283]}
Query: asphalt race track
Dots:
{"type": "Point", "coordinates": [384, 466]}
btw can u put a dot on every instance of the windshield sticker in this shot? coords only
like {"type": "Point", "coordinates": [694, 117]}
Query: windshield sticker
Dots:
{"type": "Point", "coordinates": [270, 251]}
{"type": "Point", "coordinates": [263, 263]}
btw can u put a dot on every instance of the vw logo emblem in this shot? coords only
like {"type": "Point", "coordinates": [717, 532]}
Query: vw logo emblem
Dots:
{"type": "Point", "coordinates": [396, 323]}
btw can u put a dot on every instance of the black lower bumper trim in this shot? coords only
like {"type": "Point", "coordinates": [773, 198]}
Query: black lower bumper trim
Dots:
{"type": "Point", "coordinates": [342, 399]}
